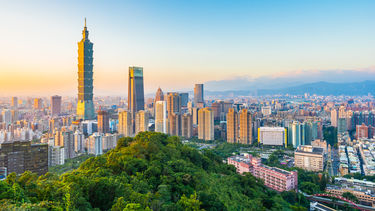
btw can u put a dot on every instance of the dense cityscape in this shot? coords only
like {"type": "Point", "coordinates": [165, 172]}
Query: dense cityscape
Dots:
{"type": "Point", "coordinates": [185, 150]}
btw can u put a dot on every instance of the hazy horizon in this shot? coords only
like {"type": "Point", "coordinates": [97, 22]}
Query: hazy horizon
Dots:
{"type": "Point", "coordinates": [180, 43]}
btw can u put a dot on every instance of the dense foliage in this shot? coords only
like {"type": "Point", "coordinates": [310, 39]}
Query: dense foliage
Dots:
{"type": "Point", "coordinates": [150, 171]}
{"type": "Point", "coordinates": [69, 164]}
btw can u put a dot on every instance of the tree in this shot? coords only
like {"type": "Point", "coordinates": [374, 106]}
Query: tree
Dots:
{"type": "Point", "coordinates": [189, 204]}
{"type": "Point", "coordinates": [309, 188]}
{"type": "Point", "coordinates": [350, 196]}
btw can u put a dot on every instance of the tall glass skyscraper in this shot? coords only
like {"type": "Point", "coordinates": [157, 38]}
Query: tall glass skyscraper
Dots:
{"type": "Point", "coordinates": [136, 99]}
{"type": "Point", "coordinates": [198, 94]}
{"type": "Point", "coordinates": [85, 105]}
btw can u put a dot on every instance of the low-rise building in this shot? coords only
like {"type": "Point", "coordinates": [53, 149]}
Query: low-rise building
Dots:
{"type": "Point", "coordinates": [274, 178]}
{"type": "Point", "coordinates": [309, 158]}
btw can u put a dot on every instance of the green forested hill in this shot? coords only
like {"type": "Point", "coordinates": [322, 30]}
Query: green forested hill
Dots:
{"type": "Point", "coordinates": [151, 171]}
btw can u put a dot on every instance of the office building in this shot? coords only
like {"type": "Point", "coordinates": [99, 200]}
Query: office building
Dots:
{"type": "Point", "coordinates": [198, 95]}
{"type": "Point", "coordinates": [141, 121]}
{"type": "Point", "coordinates": [232, 126]}
{"type": "Point", "coordinates": [136, 101]}
{"type": "Point", "coordinates": [125, 127]}
{"type": "Point", "coordinates": [275, 136]}
{"type": "Point", "coordinates": [187, 125]}
{"type": "Point", "coordinates": [21, 156]}
{"type": "Point", "coordinates": [245, 133]}
{"type": "Point", "coordinates": [309, 158]}
{"type": "Point", "coordinates": [85, 104]}
{"type": "Point", "coordinates": [173, 103]}
{"type": "Point", "coordinates": [206, 124]}
{"type": "Point", "coordinates": [103, 122]}
{"type": "Point", "coordinates": [55, 105]}
{"type": "Point", "coordinates": [161, 116]}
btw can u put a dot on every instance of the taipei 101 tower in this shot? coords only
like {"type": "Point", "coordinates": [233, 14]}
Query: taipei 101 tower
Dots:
{"type": "Point", "coordinates": [85, 105]}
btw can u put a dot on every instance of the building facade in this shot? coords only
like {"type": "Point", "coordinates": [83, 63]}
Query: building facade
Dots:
{"type": "Point", "coordinates": [309, 158]}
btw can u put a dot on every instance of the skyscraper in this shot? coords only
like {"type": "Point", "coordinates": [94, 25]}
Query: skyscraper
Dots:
{"type": "Point", "coordinates": [206, 124]}
{"type": "Point", "coordinates": [55, 105]}
{"type": "Point", "coordinates": [125, 127]}
{"type": "Point", "coordinates": [232, 126]}
{"type": "Point", "coordinates": [159, 95]}
{"type": "Point", "coordinates": [198, 95]}
{"type": "Point", "coordinates": [161, 116]}
{"type": "Point", "coordinates": [103, 122]}
{"type": "Point", "coordinates": [136, 101]}
{"type": "Point", "coordinates": [245, 135]}
{"type": "Point", "coordinates": [85, 105]}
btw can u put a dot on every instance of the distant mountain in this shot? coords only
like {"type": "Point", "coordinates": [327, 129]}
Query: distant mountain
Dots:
{"type": "Point", "coordinates": [325, 88]}
{"type": "Point", "coordinates": [288, 79]}
{"type": "Point", "coordinates": [319, 88]}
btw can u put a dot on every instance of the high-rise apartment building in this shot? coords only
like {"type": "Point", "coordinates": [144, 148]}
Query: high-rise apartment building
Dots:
{"type": "Point", "coordinates": [173, 103]}
{"type": "Point", "coordinates": [95, 144]}
{"type": "Point", "coordinates": [334, 117]}
{"type": "Point", "coordinates": [79, 142]}
{"type": "Point", "coordinates": [198, 95]}
{"type": "Point", "coordinates": [141, 121]}
{"type": "Point", "coordinates": [206, 124]}
{"type": "Point", "coordinates": [103, 122]}
{"type": "Point", "coordinates": [245, 134]}
{"type": "Point", "coordinates": [14, 102]}
{"type": "Point", "coordinates": [125, 127]}
{"type": "Point", "coordinates": [187, 125]}
{"type": "Point", "coordinates": [85, 105]}
{"type": "Point", "coordinates": [21, 156]}
{"type": "Point", "coordinates": [174, 122]}
{"type": "Point", "coordinates": [55, 105]}
{"type": "Point", "coordinates": [362, 131]}
{"type": "Point", "coordinates": [232, 126]}
{"type": "Point", "coordinates": [161, 116]}
{"type": "Point", "coordinates": [136, 99]}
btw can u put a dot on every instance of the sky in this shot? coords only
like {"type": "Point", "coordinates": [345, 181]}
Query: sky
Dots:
{"type": "Point", "coordinates": [179, 43]}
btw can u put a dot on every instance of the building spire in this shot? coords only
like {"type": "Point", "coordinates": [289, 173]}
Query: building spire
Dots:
{"type": "Point", "coordinates": [85, 22]}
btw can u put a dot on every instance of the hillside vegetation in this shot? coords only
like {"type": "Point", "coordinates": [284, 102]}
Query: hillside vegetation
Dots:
{"type": "Point", "coordinates": [152, 171]}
